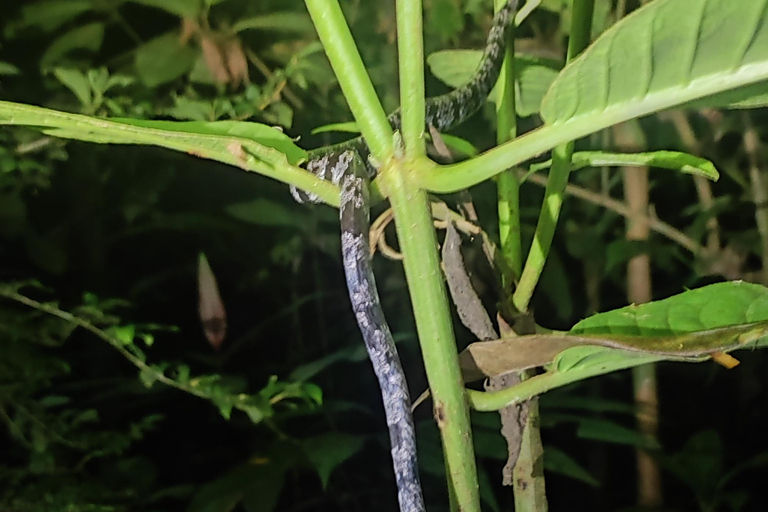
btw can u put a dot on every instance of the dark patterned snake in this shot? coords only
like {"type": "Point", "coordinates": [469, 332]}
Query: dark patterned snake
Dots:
{"type": "Point", "coordinates": [347, 165]}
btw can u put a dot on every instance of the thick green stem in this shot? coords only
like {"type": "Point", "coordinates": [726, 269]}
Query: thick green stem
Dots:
{"type": "Point", "coordinates": [418, 244]}
{"type": "Point", "coordinates": [355, 83]}
{"type": "Point", "coordinates": [558, 176]}
{"type": "Point", "coordinates": [411, 61]}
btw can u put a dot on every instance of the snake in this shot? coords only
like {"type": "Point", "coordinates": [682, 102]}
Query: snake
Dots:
{"type": "Point", "coordinates": [347, 165]}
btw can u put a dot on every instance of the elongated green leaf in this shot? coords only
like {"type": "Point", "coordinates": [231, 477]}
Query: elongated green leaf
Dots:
{"type": "Point", "coordinates": [287, 21]}
{"type": "Point", "coordinates": [249, 146]}
{"type": "Point", "coordinates": [611, 432]}
{"type": "Point", "coordinates": [76, 82]}
{"type": "Point", "coordinates": [49, 15]}
{"type": "Point", "coordinates": [164, 59]}
{"type": "Point", "coordinates": [232, 142]}
{"type": "Point", "coordinates": [666, 53]}
{"type": "Point", "coordinates": [182, 8]}
{"type": "Point", "coordinates": [327, 451]}
{"type": "Point", "coordinates": [264, 212]}
{"type": "Point", "coordinates": [557, 461]}
{"type": "Point", "coordinates": [85, 38]}
{"type": "Point", "coordinates": [580, 349]}
{"type": "Point", "coordinates": [6, 68]}
{"type": "Point", "coordinates": [346, 127]}
{"type": "Point", "coordinates": [674, 160]}
{"type": "Point", "coordinates": [709, 307]}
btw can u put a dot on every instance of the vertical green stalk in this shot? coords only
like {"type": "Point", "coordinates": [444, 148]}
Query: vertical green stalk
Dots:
{"type": "Point", "coordinates": [418, 244]}
{"type": "Point", "coordinates": [528, 477]}
{"type": "Point", "coordinates": [355, 83]}
{"type": "Point", "coordinates": [410, 46]}
{"type": "Point", "coordinates": [581, 25]}
{"type": "Point", "coordinates": [508, 186]}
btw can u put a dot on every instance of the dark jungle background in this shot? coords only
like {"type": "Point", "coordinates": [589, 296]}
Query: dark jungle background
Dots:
{"type": "Point", "coordinates": [113, 234]}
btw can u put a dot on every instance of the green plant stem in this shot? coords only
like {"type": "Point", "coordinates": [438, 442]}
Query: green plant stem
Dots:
{"type": "Point", "coordinates": [355, 83]}
{"type": "Point", "coordinates": [527, 475]}
{"type": "Point", "coordinates": [418, 243]}
{"type": "Point", "coordinates": [410, 46]}
{"type": "Point", "coordinates": [581, 26]}
{"type": "Point", "coordinates": [545, 228]}
{"type": "Point", "coordinates": [105, 336]}
{"type": "Point", "coordinates": [507, 183]}
{"type": "Point", "coordinates": [493, 401]}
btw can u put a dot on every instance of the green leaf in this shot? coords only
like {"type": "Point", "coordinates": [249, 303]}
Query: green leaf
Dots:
{"type": "Point", "coordinates": [709, 307]}
{"type": "Point", "coordinates": [261, 134]}
{"type": "Point", "coordinates": [611, 432]}
{"type": "Point", "coordinates": [557, 461]}
{"type": "Point", "coordinates": [487, 489]}
{"type": "Point", "coordinates": [462, 146]}
{"type": "Point", "coordinates": [49, 15]}
{"type": "Point", "coordinates": [561, 400]}
{"type": "Point", "coordinates": [286, 21]}
{"type": "Point", "coordinates": [306, 371]}
{"type": "Point", "coordinates": [75, 81]}
{"type": "Point", "coordinates": [262, 493]}
{"type": "Point", "coordinates": [250, 484]}
{"type": "Point", "coordinates": [148, 376]}
{"type": "Point", "coordinates": [85, 38]}
{"type": "Point", "coordinates": [327, 451]}
{"type": "Point", "coordinates": [6, 68]}
{"type": "Point", "coordinates": [620, 251]}
{"type": "Point", "coordinates": [666, 53]}
{"type": "Point", "coordinates": [347, 127]}
{"type": "Point", "coordinates": [250, 146]}
{"type": "Point", "coordinates": [489, 443]}
{"type": "Point", "coordinates": [698, 463]}
{"type": "Point", "coordinates": [164, 59]}
{"type": "Point", "coordinates": [674, 160]}
{"type": "Point", "coordinates": [182, 8]}
{"type": "Point", "coordinates": [124, 333]}
{"type": "Point", "coordinates": [444, 19]}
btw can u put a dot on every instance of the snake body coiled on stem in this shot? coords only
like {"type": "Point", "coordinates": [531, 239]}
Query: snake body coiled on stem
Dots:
{"type": "Point", "coordinates": [346, 164]}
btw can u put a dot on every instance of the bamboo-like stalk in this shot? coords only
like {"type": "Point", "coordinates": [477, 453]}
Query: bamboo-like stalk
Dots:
{"type": "Point", "coordinates": [627, 139]}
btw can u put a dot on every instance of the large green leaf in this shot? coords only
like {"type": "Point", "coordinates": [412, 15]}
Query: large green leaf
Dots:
{"type": "Point", "coordinates": [709, 307]}
{"type": "Point", "coordinates": [666, 53]}
{"type": "Point", "coordinates": [690, 327]}
{"type": "Point", "coordinates": [249, 146]}
{"type": "Point", "coordinates": [163, 59]}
